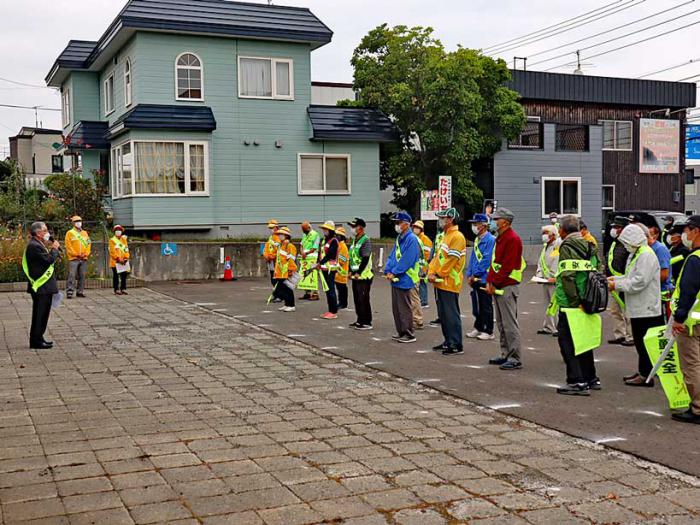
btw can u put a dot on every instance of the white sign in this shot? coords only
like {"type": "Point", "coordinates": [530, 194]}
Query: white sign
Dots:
{"type": "Point", "coordinates": [659, 146]}
{"type": "Point", "coordinates": [432, 201]}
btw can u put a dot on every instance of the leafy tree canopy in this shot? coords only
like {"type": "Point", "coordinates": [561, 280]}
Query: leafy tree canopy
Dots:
{"type": "Point", "coordinates": [451, 107]}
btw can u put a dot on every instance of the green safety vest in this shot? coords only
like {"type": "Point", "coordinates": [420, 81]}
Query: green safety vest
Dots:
{"type": "Point", "coordinates": [516, 275]}
{"type": "Point", "coordinates": [41, 281]}
{"type": "Point", "coordinates": [694, 315]}
{"type": "Point", "coordinates": [414, 272]}
{"type": "Point", "coordinates": [456, 274]}
{"type": "Point", "coordinates": [543, 262]}
{"type": "Point", "coordinates": [477, 251]}
{"type": "Point", "coordinates": [356, 259]}
{"type": "Point", "coordinates": [610, 261]}
{"type": "Point", "coordinates": [575, 265]}
{"type": "Point", "coordinates": [78, 235]}
{"type": "Point", "coordinates": [677, 259]}
{"type": "Point", "coordinates": [309, 241]}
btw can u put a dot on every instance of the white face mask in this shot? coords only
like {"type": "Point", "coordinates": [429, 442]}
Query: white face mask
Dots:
{"type": "Point", "coordinates": [686, 242]}
{"type": "Point", "coordinates": [118, 233]}
{"type": "Point", "coordinates": [442, 223]}
{"type": "Point", "coordinates": [475, 229]}
{"type": "Point", "coordinates": [614, 233]}
{"type": "Point", "coordinates": [46, 237]}
{"type": "Point", "coordinates": [78, 224]}
{"type": "Point", "coordinates": [397, 229]}
{"type": "Point", "coordinates": [545, 237]}
{"type": "Point", "coordinates": [553, 220]}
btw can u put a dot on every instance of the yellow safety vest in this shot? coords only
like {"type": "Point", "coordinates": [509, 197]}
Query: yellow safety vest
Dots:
{"type": "Point", "coordinates": [41, 281]}
{"type": "Point", "coordinates": [516, 275]}
{"type": "Point", "coordinates": [694, 315]}
{"type": "Point", "coordinates": [414, 272]}
{"type": "Point", "coordinates": [356, 259]}
{"type": "Point", "coordinates": [610, 261]}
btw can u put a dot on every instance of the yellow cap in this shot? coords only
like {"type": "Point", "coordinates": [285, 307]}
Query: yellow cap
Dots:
{"type": "Point", "coordinates": [341, 231]}
{"type": "Point", "coordinates": [272, 223]}
{"type": "Point", "coordinates": [419, 224]}
{"type": "Point", "coordinates": [285, 231]}
{"type": "Point", "coordinates": [328, 225]}
{"type": "Point", "coordinates": [76, 218]}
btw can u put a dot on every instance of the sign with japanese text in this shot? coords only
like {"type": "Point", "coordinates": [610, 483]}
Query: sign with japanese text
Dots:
{"type": "Point", "coordinates": [670, 373]}
{"type": "Point", "coordinates": [692, 145]}
{"type": "Point", "coordinates": [659, 146]}
{"type": "Point", "coordinates": [432, 201]}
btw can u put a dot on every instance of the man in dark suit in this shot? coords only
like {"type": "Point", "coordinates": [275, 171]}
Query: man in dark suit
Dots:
{"type": "Point", "coordinates": [38, 265]}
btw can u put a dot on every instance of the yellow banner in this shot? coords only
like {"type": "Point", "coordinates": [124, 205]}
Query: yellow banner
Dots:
{"type": "Point", "coordinates": [670, 373]}
{"type": "Point", "coordinates": [586, 329]}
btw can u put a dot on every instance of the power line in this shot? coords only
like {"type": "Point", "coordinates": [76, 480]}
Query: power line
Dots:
{"type": "Point", "coordinates": [692, 60]}
{"type": "Point", "coordinates": [566, 29]}
{"type": "Point", "coordinates": [29, 107]}
{"type": "Point", "coordinates": [653, 37]}
{"type": "Point", "coordinates": [24, 83]}
{"type": "Point", "coordinates": [522, 37]}
{"type": "Point", "coordinates": [617, 37]}
{"type": "Point", "coordinates": [688, 78]}
{"type": "Point", "coordinates": [610, 30]}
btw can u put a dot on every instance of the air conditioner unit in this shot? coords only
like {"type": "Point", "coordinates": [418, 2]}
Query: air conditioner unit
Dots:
{"type": "Point", "coordinates": [676, 196]}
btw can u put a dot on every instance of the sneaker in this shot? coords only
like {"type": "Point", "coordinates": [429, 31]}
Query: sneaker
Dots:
{"type": "Point", "coordinates": [473, 334]}
{"type": "Point", "coordinates": [281, 308]}
{"type": "Point", "coordinates": [630, 377]}
{"type": "Point", "coordinates": [511, 365]}
{"type": "Point", "coordinates": [640, 381]}
{"type": "Point", "coordinates": [289, 309]}
{"type": "Point", "coordinates": [80, 294]}
{"type": "Point", "coordinates": [686, 417]}
{"type": "Point", "coordinates": [544, 332]}
{"type": "Point", "coordinates": [486, 337]}
{"type": "Point", "coordinates": [406, 339]}
{"type": "Point", "coordinates": [363, 327]}
{"type": "Point", "coordinates": [595, 384]}
{"type": "Point", "coordinates": [329, 315]}
{"type": "Point", "coordinates": [441, 346]}
{"type": "Point", "coordinates": [497, 361]}
{"type": "Point", "coordinates": [578, 389]}
{"type": "Point", "coordinates": [69, 296]}
{"type": "Point", "coordinates": [453, 351]}
{"type": "Point", "coordinates": [354, 325]}
{"type": "Point", "coordinates": [435, 323]}
{"type": "Point", "coordinates": [396, 337]}
{"type": "Point", "coordinates": [425, 306]}
{"type": "Point", "coordinates": [627, 343]}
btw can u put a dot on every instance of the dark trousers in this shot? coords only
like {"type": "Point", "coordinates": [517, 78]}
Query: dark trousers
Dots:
{"type": "Point", "coordinates": [119, 280]}
{"type": "Point", "coordinates": [482, 309]}
{"type": "Point", "coordinates": [402, 310]}
{"type": "Point", "coordinates": [579, 368]}
{"type": "Point", "coordinates": [284, 292]}
{"type": "Point", "coordinates": [272, 277]}
{"type": "Point", "coordinates": [640, 325]}
{"type": "Point", "coordinates": [331, 297]}
{"type": "Point", "coordinates": [450, 317]}
{"type": "Point", "coordinates": [360, 294]}
{"type": "Point", "coordinates": [41, 309]}
{"type": "Point", "coordinates": [342, 289]}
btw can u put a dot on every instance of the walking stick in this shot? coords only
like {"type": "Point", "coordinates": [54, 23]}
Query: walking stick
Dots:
{"type": "Point", "coordinates": [667, 348]}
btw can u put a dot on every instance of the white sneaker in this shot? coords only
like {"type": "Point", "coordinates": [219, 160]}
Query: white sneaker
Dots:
{"type": "Point", "coordinates": [486, 337]}
{"type": "Point", "coordinates": [474, 333]}
{"type": "Point", "coordinates": [289, 309]}
{"type": "Point", "coordinates": [281, 308]}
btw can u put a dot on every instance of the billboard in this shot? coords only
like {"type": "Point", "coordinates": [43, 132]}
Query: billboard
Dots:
{"type": "Point", "coordinates": [432, 201]}
{"type": "Point", "coordinates": [659, 146]}
{"type": "Point", "coordinates": [692, 145]}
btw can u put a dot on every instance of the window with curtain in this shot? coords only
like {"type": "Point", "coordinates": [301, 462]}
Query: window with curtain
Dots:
{"type": "Point", "coordinates": [265, 78]}
{"type": "Point", "coordinates": [127, 82]}
{"type": "Point", "coordinates": [561, 195]}
{"type": "Point", "coordinates": [189, 78]}
{"type": "Point", "coordinates": [324, 174]}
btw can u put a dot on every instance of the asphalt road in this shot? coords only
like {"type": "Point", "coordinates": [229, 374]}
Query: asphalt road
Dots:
{"type": "Point", "coordinates": [634, 420]}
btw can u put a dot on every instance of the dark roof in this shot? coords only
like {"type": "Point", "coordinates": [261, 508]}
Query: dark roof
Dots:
{"type": "Point", "coordinates": [341, 123]}
{"type": "Point", "coordinates": [88, 134]}
{"type": "Point", "coordinates": [539, 85]}
{"type": "Point", "coordinates": [213, 17]}
{"type": "Point", "coordinates": [164, 116]}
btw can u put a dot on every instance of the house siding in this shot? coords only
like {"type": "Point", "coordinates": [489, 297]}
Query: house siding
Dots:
{"type": "Point", "coordinates": [518, 184]}
{"type": "Point", "coordinates": [85, 97]}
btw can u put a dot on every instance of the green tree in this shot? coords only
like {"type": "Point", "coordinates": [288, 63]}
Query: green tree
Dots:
{"type": "Point", "coordinates": [451, 108]}
{"type": "Point", "coordinates": [78, 195]}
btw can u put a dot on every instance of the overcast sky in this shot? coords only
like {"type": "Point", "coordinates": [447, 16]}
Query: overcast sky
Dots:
{"type": "Point", "coordinates": [35, 31]}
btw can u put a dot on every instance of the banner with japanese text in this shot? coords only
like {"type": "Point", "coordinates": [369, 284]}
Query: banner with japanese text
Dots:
{"type": "Point", "coordinates": [432, 201]}
{"type": "Point", "coordinates": [670, 373]}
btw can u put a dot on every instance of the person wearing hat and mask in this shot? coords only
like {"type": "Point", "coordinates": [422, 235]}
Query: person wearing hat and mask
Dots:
{"type": "Point", "coordinates": [686, 319]}
{"type": "Point", "coordinates": [616, 263]}
{"type": "Point", "coordinates": [446, 273]}
{"type": "Point", "coordinates": [78, 249]}
{"type": "Point", "coordinates": [402, 270]}
{"type": "Point", "coordinates": [329, 266]}
{"type": "Point", "coordinates": [554, 219]}
{"type": "Point", "coordinates": [426, 249]}
{"type": "Point", "coordinates": [502, 281]}
{"type": "Point", "coordinates": [341, 277]}
{"type": "Point", "coordinates": [270, 251]}
{"type": "Point", "coordinates": [478, 269]}
{"type": "Point", "coordinates": [547, 267]}
{"type": "Point", "coordinates": [668, 226]}
{"type": "Point", "coordinates": [361, 274]}
{"type": "Point", "coordinates": [118, 255]}
{"type": "Point", "coordinates": [285, 266]}
{"type": "Point", "coordinates": [310, 244]}
{"type": "Point", "coordinates": [642, 288]}
{"type": "Point", "coordinates": [38, 261]}
{"type": "Point", "coordinates": [678, 250]}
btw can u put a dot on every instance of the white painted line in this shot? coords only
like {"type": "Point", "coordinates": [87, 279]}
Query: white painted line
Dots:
{"type": "Point", "coordinates": [376, 339]}
{"type": "Point", "coordinates": [525, 313]}
{"type": "Point", "coordinates": [266, 311]}
{"type": "Point", "coordinates": [205, 304]}
{"type": "Point", "coordinates": [534, 302]}
{"type": "Point", "coordinates": [423, 351]}
{"type": "Point", "coordinates": [432, 380]}
{"type": "Point", "coordinates": [341, 327]}
{"type": "Point", "coordinates": [329, 348]}
{"type": "Point", "coordinates": [187, 306]}
{"type": "Point", "coordinates": [369, 363]}
{"type": "Point", "coordinates": [264, 325]}
{"type": "Point", "coordinates": [650, 413]}
{"type": "Point", "coordinates": [296, 335]}
{"type": "Point", "coordinates": [507, 405]}
{"type": "Point", "coordinates": [220, 310]}
{"type": "Point", "coordinates": [424, 412]}
{"type": "Point", "coordinates": [476, 367]}
{"type": "Point", "coordinates": [609, 440]}
{"type": "Point", "coordinates": [531, 348]}
{"type": "Point", "coordinates": [240, 316]}
{"type": "Point", "coordinates": [549, 385]}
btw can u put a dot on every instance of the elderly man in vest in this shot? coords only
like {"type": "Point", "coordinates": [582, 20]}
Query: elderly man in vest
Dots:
{"type": "Point", "coordinates": [446, 273]}
{"type": "Point", "coordinates": [310, 244]}
{"type": "Point", "coordinates": [78, 249]}
{"type": "Point", "coordinates": [502, 282]}
{"type": "Point", "coordinates": [686, 319]}
{"type": "Point", "coordinates": [38, 264]}
{"type": "Point", "coordinates": [361, 274]}
{"type": "Point", "coordinates": [479, 263]}
{"type": "Point", "coordinates": [402, 269]}
{"type": "Point", "coordinates": [616, 264]}
{"type": "Point", "coordinates": [547, 269]}
{"type": "Point", "coordinates": [270, 251]}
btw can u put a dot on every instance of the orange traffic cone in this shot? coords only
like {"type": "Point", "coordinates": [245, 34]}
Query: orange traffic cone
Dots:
{"type": "Point", "coordinates": [228, 271]}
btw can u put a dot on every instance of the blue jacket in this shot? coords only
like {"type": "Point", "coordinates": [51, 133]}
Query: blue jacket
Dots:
{"type": "Point", "coordinates": [410, 255]}
{"type": "Point", "coordinates": [481, 269]}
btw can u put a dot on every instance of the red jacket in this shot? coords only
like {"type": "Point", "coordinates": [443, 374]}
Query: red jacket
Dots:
{"type": "Point", "coordinates": [509, 254]}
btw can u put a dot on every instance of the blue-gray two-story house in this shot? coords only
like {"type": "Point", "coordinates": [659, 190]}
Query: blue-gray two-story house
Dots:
{"type": "Point", "coordinates": [200, 113]}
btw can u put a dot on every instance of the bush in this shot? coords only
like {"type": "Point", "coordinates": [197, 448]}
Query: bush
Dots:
{"type": "Point", "coordinates": [79, 195]}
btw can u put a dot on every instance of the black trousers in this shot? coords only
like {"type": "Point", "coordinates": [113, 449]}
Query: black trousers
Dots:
{"type": "Point", "coordinates": [331, 297]}
{"type": "Point", "coordinates": [41, 309]}
{"type": "Point", "coordinates": [272, 277]}
{"type": "Point", "coordinates": [640, 325]}
{"type": "Point", "coordinates": [284, 292]}
{"type": "Point", "coordinates": [482, 309]}
{"type": "Point", "coordinates": [360, 294]}
{"type": "Point", "coordinates": [119, 280]}
{"type": "Point", "coordinates": [450, 318]}
{"type": "Point", "coordinates": [342, 289]}
{"type": "Point", "coordinates": [579, 368]}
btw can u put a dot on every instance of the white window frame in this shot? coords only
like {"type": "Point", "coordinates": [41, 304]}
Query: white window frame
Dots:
{"type": "Point", "coordinates": [324, 156]}
{"type": "Point", "coordinates": [273, 75]}
{"type": "Point", "coordinates": [561, 180]}
{"type": "Point", "coordinates": [615, 123]}
{"type": "Point", "coordinates": [65, 107]}
{"type": "Point", "coordinates": [116, 194]}
{"type": "Point", "coordinates": [105, 84]}
{"type": "Point", "coordinates": [128, 82]}
{"type": "Point", "coordinates": [614, 197]}
{"type": "Point", "coordinates": [201, 76]}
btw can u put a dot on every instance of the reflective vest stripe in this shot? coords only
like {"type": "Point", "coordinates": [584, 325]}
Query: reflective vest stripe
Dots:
{"type": "Point", "coordinates": [41, 281]}
{"type": "Point", "coordinates": [543, 262]}
{"type": "Point", "coordinates": [693, 316]}
{"type": "Point", "coordinates": [610, 261]}
{"type": "Point", "coordinates": [120, 245]}
{"type": "Point", "coordinates": [455, 274]}
{"type": "Point", "coordinates": [575, 265]}
{"type": "Point", "coordinates": [477, 251]}
{"type": "Point", "coordinates": [677, 259]}
{"type": "Point", "coordinates": [516, 275]}
{"type": "Point", "coordinates": [413, 272]}
{"type": "Point", "coordinates": [78, 235]}
{"type": "Point", "coordinates": [356, 259]}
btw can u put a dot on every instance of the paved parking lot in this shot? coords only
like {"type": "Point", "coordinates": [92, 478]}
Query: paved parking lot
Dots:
{"type": "Point", "coordinates": [153, 410]}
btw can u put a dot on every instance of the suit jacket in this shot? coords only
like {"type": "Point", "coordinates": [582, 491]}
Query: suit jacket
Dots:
{"type": "Point", "coordinates": [38, 261]}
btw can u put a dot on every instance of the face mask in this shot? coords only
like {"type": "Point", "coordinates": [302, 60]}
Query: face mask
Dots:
{"type": "Point", "coordinates": [493, 228]}
{"type": "Point", "coordinates": [686, 242]}
{"type": "Point", "coordinates": [442, 223]}
{"type": "Point", "coordinates": [545, 237]}
{"type": "Point", "coordinates": [614, 233]}
{"type": "Point", "coordinates": [553, 220]}
{"type": "Point", "coordinates": [118, 233]}
{"type": "Point", "coordinates": [475, 229]}
{"type": "Point", "coordinates": [46, 237]}
{"type": "Point", "coordinates": [78, 224]}
{"type": "Point", "coordinates": [397, 229]}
